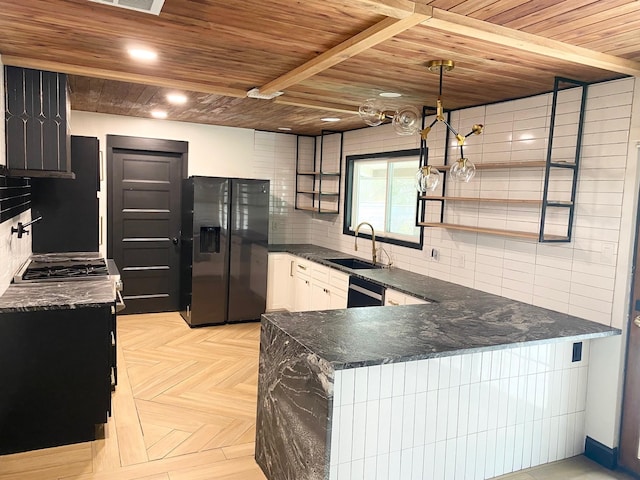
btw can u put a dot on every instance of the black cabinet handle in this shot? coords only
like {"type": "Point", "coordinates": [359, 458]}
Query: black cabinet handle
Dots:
{"type": "Point", "coordinates": [174, 240]}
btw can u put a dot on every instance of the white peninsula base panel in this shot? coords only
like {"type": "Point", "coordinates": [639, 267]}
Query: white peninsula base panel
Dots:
{"type": "Point", "coordinates": [472, 416]}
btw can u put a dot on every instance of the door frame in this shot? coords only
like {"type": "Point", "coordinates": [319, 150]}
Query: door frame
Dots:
{"type": "Point", "coordinates": [138, 144]}
{"type": "Point", "coordinates": [629, 436]}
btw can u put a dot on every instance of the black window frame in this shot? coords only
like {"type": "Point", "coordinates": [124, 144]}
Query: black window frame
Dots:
{"type": "Point", "coordinates": [348, 192]}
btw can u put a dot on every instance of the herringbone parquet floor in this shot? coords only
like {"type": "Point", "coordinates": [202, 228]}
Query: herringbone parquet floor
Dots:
{"type": "Point", "coordinates": [184, 409]}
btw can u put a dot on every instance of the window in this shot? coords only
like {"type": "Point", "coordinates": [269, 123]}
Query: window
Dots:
{"type": "Point", "coordinates": [381, 190]}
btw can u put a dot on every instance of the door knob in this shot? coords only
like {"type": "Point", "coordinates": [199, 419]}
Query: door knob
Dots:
{"type": "Point", "coordinates": [637, 321]}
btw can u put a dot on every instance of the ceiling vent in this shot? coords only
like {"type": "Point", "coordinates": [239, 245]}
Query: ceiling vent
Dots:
{"type": "Point", "coordinates": [146, 6]}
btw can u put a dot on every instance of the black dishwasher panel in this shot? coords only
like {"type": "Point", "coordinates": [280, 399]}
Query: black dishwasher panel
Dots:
{"type": "Point", "coordinates": [363, 293]}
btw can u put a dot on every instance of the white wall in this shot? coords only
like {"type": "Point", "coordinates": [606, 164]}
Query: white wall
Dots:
{"type": "Point", "coordinates": [213, 151]}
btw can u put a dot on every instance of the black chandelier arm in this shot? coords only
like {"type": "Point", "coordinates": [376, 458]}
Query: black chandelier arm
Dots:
{"type": "Point", "coordinates": [476, 129]}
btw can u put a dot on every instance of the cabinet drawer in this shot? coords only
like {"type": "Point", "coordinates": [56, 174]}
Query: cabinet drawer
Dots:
{"type": "Point", "coordinates": [410, 300]}
{"type": "Point", "coordinates": [320, 272]}
{"type": "Point", "coordinates": [301, 267]}
{"type": "Point", "coordinates": [339, 280]}
{"type": "Point", "coordinates": [393, 298]}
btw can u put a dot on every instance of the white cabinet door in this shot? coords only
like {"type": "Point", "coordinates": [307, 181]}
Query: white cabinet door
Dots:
{"type": "Point", "coordinates": [338, 299]}
{"type": "Point", "coordinates": [280, 282]}
{"type": "Point", "coordinates": [301, 293]}
{"type": "Point", "coordinates": [320, 296]}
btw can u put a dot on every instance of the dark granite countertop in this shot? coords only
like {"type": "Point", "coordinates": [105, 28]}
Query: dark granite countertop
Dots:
{"type": "Point", "coordinates": [67, 294]}
{"type": "Point", "coordinates": [22, 297]}
{"type": "Point", "coordinates": [421, 286]}
{"type": "Point", "coordinates": [460, 320]}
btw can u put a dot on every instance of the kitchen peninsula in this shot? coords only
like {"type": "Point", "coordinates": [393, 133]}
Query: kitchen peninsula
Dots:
{"type": "Point", "coordinates": [472, 385]}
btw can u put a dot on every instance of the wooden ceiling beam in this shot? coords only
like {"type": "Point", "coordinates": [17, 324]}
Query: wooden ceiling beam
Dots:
{"type": "Point", "coordinates": [391, 8]}
{"type": "Point", "coordinates": [316, 104]}
{"type": "Point", "coordinates": [381, 31]}
{"type": "Point", "coordinates": [123, 76]}
{"type": "Point", "coordinates": [508, 37]}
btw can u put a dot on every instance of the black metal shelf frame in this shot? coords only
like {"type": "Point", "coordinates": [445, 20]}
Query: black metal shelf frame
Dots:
{"type": "Point", "coordinates": [318, 173]}
{"type": "Point", "coordinates": [550, 167]}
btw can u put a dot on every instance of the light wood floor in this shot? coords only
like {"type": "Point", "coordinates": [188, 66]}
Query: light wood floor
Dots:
{"type": "Point", "coordinates": [184, 409]}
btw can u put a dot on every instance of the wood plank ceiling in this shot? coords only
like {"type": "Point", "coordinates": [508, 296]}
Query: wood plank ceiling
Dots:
{"type": "Point", "coordinates": [326, 56]}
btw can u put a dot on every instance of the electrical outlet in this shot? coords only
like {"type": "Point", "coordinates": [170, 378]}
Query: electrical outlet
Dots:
{"type": "Point", "coordinates": [435, 255]}
{"type": "Point", "coordinates": [458, 260]}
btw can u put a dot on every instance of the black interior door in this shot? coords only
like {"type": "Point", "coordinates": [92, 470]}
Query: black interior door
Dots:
{"type": "Point", "coordinates": [144, 226]}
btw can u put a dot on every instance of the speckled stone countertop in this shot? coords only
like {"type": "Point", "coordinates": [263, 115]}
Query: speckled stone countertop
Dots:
{"type": "Point", "coordinates": [460, 320]}
{"type": "Point", "coordinates": [21, 297]}
{"type": "Point", "coordinates": [49, 295]}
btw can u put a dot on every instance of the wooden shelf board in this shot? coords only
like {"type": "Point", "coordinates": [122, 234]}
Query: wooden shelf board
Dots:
{"type": "Point", "coordinates": [493, 231]}
{"type": "Point", "coordinates": [325, 174]}
{"type": "Point", "coordinates": [480, 199]}
{"type": "Point", "coordinates": [312, 209]}
{"type": "Point", "coordinates": [315, 192]}
{"type": "Point", "coordinates": [559, 204]}
{"type": "Point", "coordinates": [498, 165]}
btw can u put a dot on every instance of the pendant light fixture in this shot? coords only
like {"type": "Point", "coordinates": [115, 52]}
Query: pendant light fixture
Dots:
{"type": "Point", "coordinates": [408, 121]}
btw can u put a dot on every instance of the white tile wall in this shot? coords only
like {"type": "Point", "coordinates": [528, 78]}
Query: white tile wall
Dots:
{"type": "Point", "coordinates": [473, 416]}
{"type": "Point", "coordinates": [274, 159]}
{"type": "Point", "coordinates": [13, 250]}
{"type": "Point", "coordinates": [554, 276]}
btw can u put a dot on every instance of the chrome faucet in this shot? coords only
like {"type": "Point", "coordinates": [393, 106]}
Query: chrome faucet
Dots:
{"type": "Point", "coordinates": [373, 240]}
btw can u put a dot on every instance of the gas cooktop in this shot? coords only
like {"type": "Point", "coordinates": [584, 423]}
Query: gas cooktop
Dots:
{"type": "Point", "coordinates": [57, 267]}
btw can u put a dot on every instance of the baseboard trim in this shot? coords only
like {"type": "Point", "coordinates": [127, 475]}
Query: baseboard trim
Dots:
{"type": "Point", "coordinates": [601, 454]}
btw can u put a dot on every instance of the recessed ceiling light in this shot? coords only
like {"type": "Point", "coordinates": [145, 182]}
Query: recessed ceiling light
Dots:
{"type": "Point", "coordinates": [330, 119]}
{"type": "Point", "coordinates": [142, 54]}
{"type": "Point", "coordinates": [159, 114]}
{"type": "Point", "coordinates": [177, 98]}
{"type": "Point", "coordinates": [284, 129]}
{"type": "Point", "coordinates": [390, 94]}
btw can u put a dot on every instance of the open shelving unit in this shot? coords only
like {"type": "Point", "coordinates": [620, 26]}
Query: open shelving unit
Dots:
{"type": "Point", "coordinates": [318, 184]}
{"type": "Point", "coordinates": [545, 203]}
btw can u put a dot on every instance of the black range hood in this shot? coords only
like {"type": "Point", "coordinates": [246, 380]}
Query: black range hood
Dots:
{"type": "Point", "coordinates": [23, 173]}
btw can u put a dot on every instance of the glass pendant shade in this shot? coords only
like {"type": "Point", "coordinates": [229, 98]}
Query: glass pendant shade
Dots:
{"type": "Point", "coordinates": [372, 112]}
{"type": "Point", "coordinates": [407, 121]}
{"type": "Point", "coordinates": [463, 170]}
{"type": "Point", "coordinates": [427, 179]}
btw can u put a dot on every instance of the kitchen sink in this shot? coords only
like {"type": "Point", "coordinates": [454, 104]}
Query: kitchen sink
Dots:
{"type": "Point", "coordinates": [353, 263]}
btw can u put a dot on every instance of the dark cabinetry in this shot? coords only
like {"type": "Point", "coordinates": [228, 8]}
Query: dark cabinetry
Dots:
{"type": "Point", "coordinates": [69, 208]}
{"type": "Point", "coordinates": [37, 116]}
{"type": "Point", "coordinates": [56, 376]}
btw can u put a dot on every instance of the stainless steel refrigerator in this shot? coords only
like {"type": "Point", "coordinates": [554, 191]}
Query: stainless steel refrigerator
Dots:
{"type": "Point", "coordinates": [224, 250]}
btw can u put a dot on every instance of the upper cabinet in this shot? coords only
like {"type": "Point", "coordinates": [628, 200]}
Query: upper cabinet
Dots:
{"type": "Point", "coordinates": [37, 123]}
